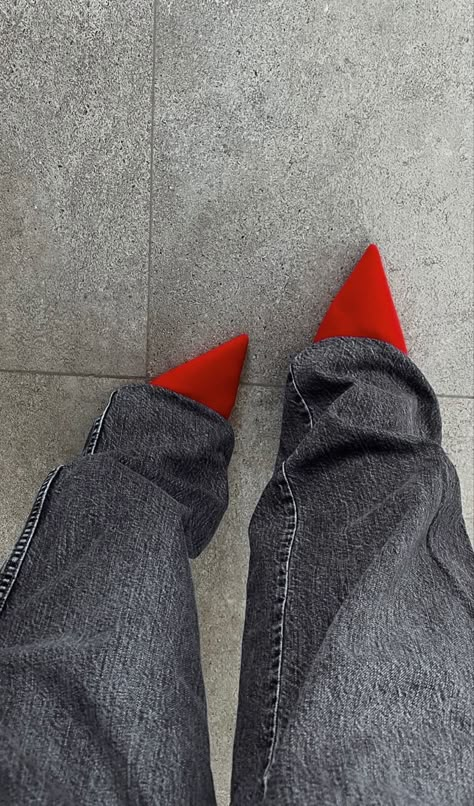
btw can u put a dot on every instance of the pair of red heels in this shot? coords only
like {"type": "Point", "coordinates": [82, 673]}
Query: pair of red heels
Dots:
{"type": "Point", "coordinates": [363, 308]}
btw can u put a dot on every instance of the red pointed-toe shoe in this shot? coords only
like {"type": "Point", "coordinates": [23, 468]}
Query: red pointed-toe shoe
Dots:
{"type": "Point", "coordinates": [212, 378]}
{"type": "Point", "coordinates": [364, 306]}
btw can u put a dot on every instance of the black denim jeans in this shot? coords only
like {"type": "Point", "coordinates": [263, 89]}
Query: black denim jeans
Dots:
{"type": "Point", "coordinates": [356, 667]}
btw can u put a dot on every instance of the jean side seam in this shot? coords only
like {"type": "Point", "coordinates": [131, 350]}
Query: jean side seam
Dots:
{"type": "Point", "coordinates": [303, 401]}
{"type": "Point", "coordinates": [286, 552]}
{"type": "Point", "coordinates": [94, 436]}
{"type": "Point", "coordinates": [285, 561]}
{"type": "Point", "coordinates": [11, 569]}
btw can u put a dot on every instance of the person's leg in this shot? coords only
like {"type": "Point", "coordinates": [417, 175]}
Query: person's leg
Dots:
{"type": "Point", "coordinates": [101, 695]}
{"type": "Point", "coordinates": [356, 670]}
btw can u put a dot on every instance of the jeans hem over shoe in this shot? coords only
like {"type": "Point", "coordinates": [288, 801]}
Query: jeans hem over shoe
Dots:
{"type": "Point", "coordinates": [99, 645]}
{"type": "Point", "coordinates": [360, 484]}
{"type": "Point", "coordinates": [355, 677]}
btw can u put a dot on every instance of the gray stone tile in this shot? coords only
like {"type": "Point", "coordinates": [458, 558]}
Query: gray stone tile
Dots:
{"type": "Point", "coordinates": [74, 177]}
{"type": "Point", "coordinates": [287, 137]}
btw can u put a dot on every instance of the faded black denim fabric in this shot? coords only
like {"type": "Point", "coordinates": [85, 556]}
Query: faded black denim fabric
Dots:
{"type": "Point", "coordinates": [356, 669]}
{"type": "Point", "coordinates": [358, 649]}
{"type": "Point", "coordinates": [102, 698]}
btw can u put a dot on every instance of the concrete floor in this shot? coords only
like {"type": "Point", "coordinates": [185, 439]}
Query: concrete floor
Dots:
{"type": "Point", "coordinates": [173, 175]}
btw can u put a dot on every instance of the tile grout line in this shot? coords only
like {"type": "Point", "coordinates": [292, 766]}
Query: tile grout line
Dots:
{"type": "Point", "coordinates": [138, 378]}
{"type": "Point", "coordinates": [62, 374]}
{"type": "Point", "coordinates": [150, 205]}
{"type": "Point", "coordinates": [455, 397]}
{"type": "Point", "coordinates": [263, 385]}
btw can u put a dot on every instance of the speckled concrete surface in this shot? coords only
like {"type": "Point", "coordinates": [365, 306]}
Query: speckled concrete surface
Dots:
{"type": "Point", "coordinates": [277, 140]}
{"type": "Point", "coordinates": [287, 137]}
{"type": "Point", "coordinates": [74, 185]}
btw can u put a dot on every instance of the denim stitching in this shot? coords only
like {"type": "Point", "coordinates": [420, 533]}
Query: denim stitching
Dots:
{"type": "Point", "coordinates": [297, 390]}
{"type": "Point", "coordinates": [10, 570]}
{"type": "Point", "coordinates": [286, 554]}
{"type": "Point", "coordinates": [12, 567]}
{"type": "Point", "coordinates": [91, 444]}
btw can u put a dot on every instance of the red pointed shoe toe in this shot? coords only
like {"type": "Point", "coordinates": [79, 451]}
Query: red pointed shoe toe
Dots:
{"type": "Point", "coordinates": [212, 378]}
{"type": "Point", "coordinates": [364, 306]}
